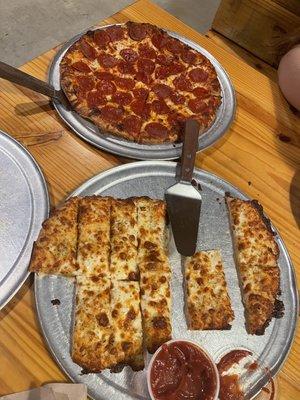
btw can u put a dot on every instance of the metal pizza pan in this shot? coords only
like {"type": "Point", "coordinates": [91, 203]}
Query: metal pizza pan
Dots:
{"type": "Point", "coordinates": [151, 178]}
{"type": "Point", "coordinates": [24, 204]}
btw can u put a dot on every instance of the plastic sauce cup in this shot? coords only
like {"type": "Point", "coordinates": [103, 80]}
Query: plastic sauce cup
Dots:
{"type": "Point", "coordinates": [204, 354]}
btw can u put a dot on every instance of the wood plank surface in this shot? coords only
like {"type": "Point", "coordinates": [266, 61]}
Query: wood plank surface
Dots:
{"type": "Point", "coordinates": [242, 54]}
{"type": "Point", "coordinates": [256, 25]}
{"type": "Point", "coordinates": [260, 154]}
{"type": "Point", "coordinates": [291, 5]}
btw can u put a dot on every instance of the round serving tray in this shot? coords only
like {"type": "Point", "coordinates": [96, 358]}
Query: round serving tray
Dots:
{"type": "Point", "coordinates": [88, 131]}
{"type": "Point", "coordinates": [24, 205]}
{"type": "Point", "coordinates": [152, 178]}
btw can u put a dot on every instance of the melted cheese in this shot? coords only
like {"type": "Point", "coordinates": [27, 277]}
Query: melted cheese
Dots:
{"type": "Point", "coordinates": [254, 243]}
{"type": "Point", "coordinates": [152, 253]}
{"type": "Point", "coordinates": [256, 253]}
{"type": "Point", "coordinates": [124, 240]}
{"type": "Point", "coordinates": [54, 251]}
{"type": "Point", "coordinates": [208, 302]}
{"type": "Point", "coordinates": [94, 236]}
{"type": "Point", "coordinates": [156, 308]}
{"type": "Point", "coordinates": [93, 337]}
{"type": "Point", "coordinates": [260, 287]}
{"type": "Point", "coordinates": [127, 322]}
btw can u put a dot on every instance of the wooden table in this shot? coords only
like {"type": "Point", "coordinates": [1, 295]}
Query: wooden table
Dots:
{"type": "Point", "coordinates": [260, 154]}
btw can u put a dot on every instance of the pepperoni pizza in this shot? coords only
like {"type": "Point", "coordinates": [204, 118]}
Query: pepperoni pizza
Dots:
{"type": "Point", "coordinates": [139, 83]}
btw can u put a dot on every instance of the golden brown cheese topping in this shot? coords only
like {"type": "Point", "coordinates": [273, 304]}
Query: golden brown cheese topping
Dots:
{"type": "Point", "coordinates": [156, 308]}
{"type": "Point", "coordinates": [254, 239]}
{"type": "Point", "coordinates": [94, 237]}
{"type": "Point", "coordinates": [118, 243]}
{"type": "Point", "coordinates": [54, 251]}
{"type": "Point", "coordinates": [256, 253]}
{"type": "Point", "coordinates": [93, 337]}
{"type": "Point", "coordinates": [208, 302]}
{"type": "Point", "coordinates": [124, 240]}
{"type": "Point", "coordinates": [155, 273]}
{"type": "Point", "coordinates": [127, 322]}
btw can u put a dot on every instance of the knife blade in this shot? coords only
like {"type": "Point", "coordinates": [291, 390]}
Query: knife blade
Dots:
{"type": "Point", "coordinates": [183, 199]}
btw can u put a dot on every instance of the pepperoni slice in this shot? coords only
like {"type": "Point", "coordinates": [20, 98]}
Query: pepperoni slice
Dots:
{"type": "Point", "coordinates": [188, 56]}
{"type": "Point", "coordinates": [106, 87]}
{"type": "Point", "coordinates": [101, 38]}
{"type": "Point", "coordinates": [198, 75]}
{"type": "Point", "coordinates": [165, 60]}
{"type": "Point", "coordinates": [162, 72]}
{"type": "Point", "coordinates": [160, 107]}
{"type": "Point", "coordinates": [141, 94]}
{"type": "Point", "coordinates": [88, 50]}
{"type": "Point", "coordinates": [112, 114]}
{"type": "Point", "coordinates": [176, 119]}
{"type": "Point", "coordinates": [132, 124]}
{"type": "Point", "coordinates": [104, 76]}
{"type": "Point", "coordinates": [126, 68]}
{"type": "Point", "coordinates": [197, 105]}
{"type": "Point", "coordinates": [129, 55]}
{"type": "Point", "coordinates": [162, 91]}
{"type": "Point", "coordinates": [174, 46]}
{"type": "Point", "coordinates": [182, 83]}
{"type": "Point", "coordinates": [125, 83]}
{"type": "Point", "coordinates": [85, 83]}
{"type": "Point", "coordinates": [215, 84]}
{"type": "Point", "coordinates": [145, 51]}
{"type": "Point", "coordinates": [81, 66]}
{"type": "Point", "coordinates": [115, 33]}
{"type": "Point", "coordinates": [159, 40]}
{"type": "Point", "coordinates": [143, 77]}
{"type": "Point", "coordinates": [201, 92]}
{"type": "Point", "coordinates": [122, 98]}
{"type": "Point", "coordinates": [145, 65]}
{"type": "Point", "coordinates": [155, 129]}
{"type": "Point", "coordinates": [95, 99]}
{"type": "Point", "coordinates": [137, 31]}
{"type": "Point", "coordinates": [140, 108]}
{"type": "Point", "coordinates": [107, 61]}
{"type": "Point", "coordinates": [214, 101]}
{"type": "Point", "coordinates": [176, 68]}
{"type": "Point", "coordinates": [177, 98]}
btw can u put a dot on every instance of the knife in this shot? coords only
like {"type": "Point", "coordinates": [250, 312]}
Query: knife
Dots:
{"type": "Point", "coordinates": [183, 199]}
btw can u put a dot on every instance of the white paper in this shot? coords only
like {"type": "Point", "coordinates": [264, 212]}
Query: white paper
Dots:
{"type": "Point", "coordinates": [52, 391]}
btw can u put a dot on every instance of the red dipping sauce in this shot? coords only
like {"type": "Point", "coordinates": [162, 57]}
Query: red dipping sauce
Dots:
{"type": "Point", "coordinates": [181, 370]}
{"type": "Point", "coordinates": [229, 384]}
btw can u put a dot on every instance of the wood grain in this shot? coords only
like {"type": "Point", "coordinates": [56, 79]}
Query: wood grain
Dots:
{"type": "Point", "coordinates": [291, 5]}
{"type": "Point", "coordinates": [256, 25]}
{"type": "Point", "coordinates": [242, 54]}
{"type": "Point", "coordinates": [251, 156]}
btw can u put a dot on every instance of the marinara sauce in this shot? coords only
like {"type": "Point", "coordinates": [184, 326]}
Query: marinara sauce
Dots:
{"type": "Point", "coordinates": [181, 370]}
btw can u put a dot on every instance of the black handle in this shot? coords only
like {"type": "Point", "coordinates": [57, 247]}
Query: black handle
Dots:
{"type": "Point", "coordinates": [21, 78]}
{"type": "Point", "coordinates": [189, 150]}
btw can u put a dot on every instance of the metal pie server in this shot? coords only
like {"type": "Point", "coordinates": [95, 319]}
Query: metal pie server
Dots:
{"type": "Point", "coordinates": [183, 199]}
{"type": "Point", "coordinates": [21, 78]}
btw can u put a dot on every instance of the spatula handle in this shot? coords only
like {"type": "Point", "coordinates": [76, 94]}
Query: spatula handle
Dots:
{"type": "Point", "coordinates": [190, 147]}
{"type": "Point", "coordinates": [21, 78]}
